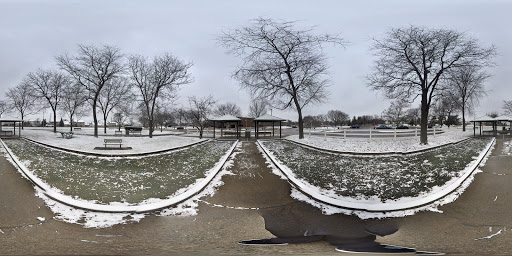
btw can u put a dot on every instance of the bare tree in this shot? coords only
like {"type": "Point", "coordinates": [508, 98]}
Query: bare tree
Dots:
{"type": "Point", "coordinates": [444, 109]}
{"type": "Point", "coordinates": [47, 85]}
{"type": "Point", "coordinates": [228, 109]}
{"type": "Point", "coordinates": [122, 114]}
{"type": "Point", "coordinates": [465, 88]}
{"type": "Point", "coordinates": [158, 78]}
{"type": "Point", "coordinates": [412, 115]}
{"type": "Point", "coordinates": [338, 117]}
{"type": "Point", "coordinates": [74, 98]}
{"type": "Point", "coordinates": [3, 107]}
{"type": "Point", "coordinates": [413, 60]}
{"type": "Point", "coordinates": [507, 106]}
{"type": "Point", "coordinates": [258, 108]}
{"type": "Point", "coordinates": [396, 112]}
{"type": "Point", "coordinates": [492, 114]}
{"type": "Point", "coordinates": [163, 117]}
{"type": "Point", "coordinates": [116, 92]}
{"type": "Point", "coordinates": [93, 68]}
{"type": "Point", "coordinates": [282, 64]}
{"type": "Point", "coordinates": [21, 99]}
{"type": "Point", "coordinates": [200, 112]}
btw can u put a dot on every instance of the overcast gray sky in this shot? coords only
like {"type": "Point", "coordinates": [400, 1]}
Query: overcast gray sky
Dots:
{"type": "Point", "coordinates": [33, 32]}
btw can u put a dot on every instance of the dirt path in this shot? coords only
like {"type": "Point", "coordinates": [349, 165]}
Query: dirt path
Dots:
{"type": "Point", "coordinates": [229, 216]}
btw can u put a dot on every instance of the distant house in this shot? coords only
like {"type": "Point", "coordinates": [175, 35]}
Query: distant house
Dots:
{"type": "Point", "coordinates": [247, 121]}
{"type": "Point", "coordinates": [79, 123]}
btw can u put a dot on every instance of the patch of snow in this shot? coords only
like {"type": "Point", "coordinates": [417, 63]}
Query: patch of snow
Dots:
{"type": "Point", "coordinates": [40, 218]}
{"type": "Point", "coordinates": [87, 143]}
{"type": "Point", "coordinates": [102, 216]}
{"type": "Point", "coordinates": [373, 207]}
{"type": "Point", "coordinates": [490, 236]}
{"type": "Point", "coordinates": [380, 145]}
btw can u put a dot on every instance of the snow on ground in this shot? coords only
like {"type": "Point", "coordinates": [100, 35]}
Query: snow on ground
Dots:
{"type": "Point", "coordinates": [95, 219]}
{"type": "Point", "coordinates": [381, 145]}
{"type": "Point", "coordinates": [433, 206]}
{"type": "Point", "coordinates": [85, 142]}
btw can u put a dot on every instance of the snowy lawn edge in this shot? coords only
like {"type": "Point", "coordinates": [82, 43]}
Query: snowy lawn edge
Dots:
{"type": "Point", "coordinates": [119, 208]}
{"type": "Point", "coordinates": [115, 155]}
{"type": "Point", "coordinates": [389, 153]}
{"type": "Point", "coordinates": [378, 206]}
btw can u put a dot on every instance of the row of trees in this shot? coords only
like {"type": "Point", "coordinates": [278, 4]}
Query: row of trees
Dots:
{"type": "Point", "coordinates": [286, 66]}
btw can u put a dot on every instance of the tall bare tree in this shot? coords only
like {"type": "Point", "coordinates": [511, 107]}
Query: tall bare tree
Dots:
{"type": "Point", "coordinates": [3, 107]}
{"type": "Point", "coordinates": [228, 108]}
{"type": "Point", "coordinates": [444, 108]}
{"type": "Point", "coordinates": [412, 60]}
{"type": "Point", "coordinates": [48, 85]}
{"type": "Point", "coordinates": [282, 63]}
{"type": "Point", "coordinates": [21, 99]}
{"type": "Point", "coordinates": [158, 80]}
{"type": "Point", "coordinates": [93, 67]}
{"type": "Point", "coordinates": [74, 100]}
{"type": "Point", "coordinates": [465, 88]}
{"type": "Point", "coordinates": [396, 112]}
{"type": "Point", "coordinates": [338, 117]}
{"type": "Point", "coordinates": [200, 111]}
{"type": "Point", "coordinates": [507, 106]}
{"type": "Point", "coordinates": [115, 93]}
{"type": "Point", "coordinates": [258, 108]}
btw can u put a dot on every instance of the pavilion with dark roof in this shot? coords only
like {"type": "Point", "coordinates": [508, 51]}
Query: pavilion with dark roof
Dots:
{"type": "Point", "coordinates": [11, 133]}
{"type": "Point", "coordinates": [494, 122]}
{"type": "Point", "coordinates": [267, 119]}
{"type": "Point", "coordinates": [227, 119]}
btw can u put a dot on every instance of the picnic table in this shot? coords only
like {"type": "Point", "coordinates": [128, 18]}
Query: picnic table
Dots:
{"type": "Point", "coordinates": [133, 130]}
{"type": "Point", "coordinates": [66, 135]}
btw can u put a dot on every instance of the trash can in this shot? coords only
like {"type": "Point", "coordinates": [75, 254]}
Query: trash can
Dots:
{"type": "Point", "coordinates": [247, 134]}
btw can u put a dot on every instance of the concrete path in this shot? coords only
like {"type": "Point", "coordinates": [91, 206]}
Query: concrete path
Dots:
{"type": "Point", "coordinates": [228, 217]}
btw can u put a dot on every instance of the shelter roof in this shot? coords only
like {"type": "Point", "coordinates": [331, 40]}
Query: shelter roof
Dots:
{"type": "Point", "coordinates": [504, 118]}
{"type": "Point", "coordinates": [268, 118]}
{"type": "Point", "coordinates": [226, 118]}
{"type": "Point", "coordinates": [484, 119]}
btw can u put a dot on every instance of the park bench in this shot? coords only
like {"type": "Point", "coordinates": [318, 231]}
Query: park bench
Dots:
{"type": "Point", "coordinates": [227, 133]}
{"type": "Point", "coordinates": [265, 133]}
{"type": "Point", "coordinates": [116, 142]}
{"type": "Point", "coordinates": [66, 135]}
{"type": "Point", "coordinates": [77, 129]}
{"type": "Point", "coordinates": [118, 133]}
{"type": "Point", "coordinates": [6, 133]}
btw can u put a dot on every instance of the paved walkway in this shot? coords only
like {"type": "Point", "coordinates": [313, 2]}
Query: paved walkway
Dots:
{"type": "Point", "coordinates": [227, 218]}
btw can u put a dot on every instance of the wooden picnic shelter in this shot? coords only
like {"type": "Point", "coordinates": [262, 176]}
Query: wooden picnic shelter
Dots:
{"type": "Point", "coordinates": [494, 123]}
{"type": "Point", "coordinates": [227, 119]}
{"type": "Point", "coordinates": [267, 119]}
{"type": "Point", "coordinates": [11, 133]}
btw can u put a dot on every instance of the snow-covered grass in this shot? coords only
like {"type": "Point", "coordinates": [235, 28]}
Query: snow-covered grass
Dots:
{"type": "Point", "coordinates": [124, 180]}
{"type": "Point", "coordinates": [376, 178]}
{"type": "Point", "coordinates": [85, 142]}
{"type": "Point", "coordinates": [381, 145]}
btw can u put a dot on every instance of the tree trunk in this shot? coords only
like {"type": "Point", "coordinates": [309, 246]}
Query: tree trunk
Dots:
{"type": "Point", "coordinates": [463, 118]}
{"type": "Point", "coordinates": [95, 119]}
{"type": "Point", "coordinates": [424, 119]}
{"type": "Point", "coordinates": [104, 125]}
{"type": "Point", "coordinates": [200, 133]}
{"type": "Point", "coordinates": [55, 118]}
{"type": "Point", "coordinates": [301, 124]}
{"type": "Point", "coordinates": [151, 128]}
{"type": "Point", "coordinates": [71, 123]}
